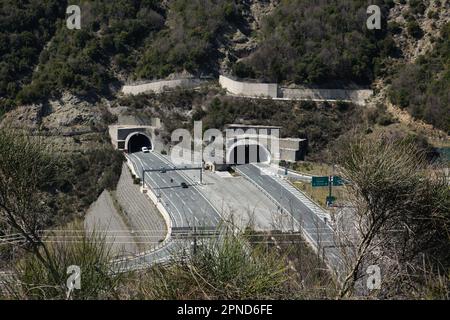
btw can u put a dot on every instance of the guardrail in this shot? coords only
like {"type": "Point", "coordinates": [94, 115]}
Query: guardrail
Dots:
{"type": "Point", "coordinates": [309, 239]}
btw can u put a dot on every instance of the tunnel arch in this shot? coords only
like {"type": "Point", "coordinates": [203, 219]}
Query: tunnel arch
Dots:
{"type": "Point", "coordinates": [136, 140]}
{"type": "Point", "coordinates": [245, 145]}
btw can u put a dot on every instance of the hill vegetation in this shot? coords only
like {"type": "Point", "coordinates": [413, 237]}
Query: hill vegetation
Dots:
{"type": "Point", "coordinates": [306, 42]}
{"type": "Point", "coordinates": [191, 41]}
{"type": "Point", "coordinates": [318, 43]}
{"type": "Point", "coordinates": [87, 61]}
{"type": "Point", "coordinates": [25, 28]}
{"type": "Point", "coordinates": [423, 87]}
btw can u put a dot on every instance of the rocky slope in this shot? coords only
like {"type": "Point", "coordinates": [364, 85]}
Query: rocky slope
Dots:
{"type": "Point", "coordinates": [72, 120]}
{"type": "Point", "coordinates": [431, 18]}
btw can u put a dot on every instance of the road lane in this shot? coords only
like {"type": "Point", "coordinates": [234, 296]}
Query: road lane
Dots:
{"type": "Point", "coordinates": [186, 206]}
{"type": "Point", "coordinates": [314, 226]}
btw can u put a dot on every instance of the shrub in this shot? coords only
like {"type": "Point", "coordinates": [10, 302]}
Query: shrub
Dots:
{"type": "Point", "coordinates": [89, 251]}
{"type": "Point", "coordinates": [225, 268]}
{"type": "Point", "coordinates": [414, 29]}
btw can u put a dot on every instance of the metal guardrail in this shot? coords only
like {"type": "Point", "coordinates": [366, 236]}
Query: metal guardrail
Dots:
{"type": "Point", "coordinates": [271, 198]}
{"type": "Point", "coordinates": [304, 232]}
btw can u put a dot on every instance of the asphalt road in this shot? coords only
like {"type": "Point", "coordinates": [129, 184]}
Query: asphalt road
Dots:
{"type": "Point", "coordinates": [187, 207]}
{"type": "Point", "coordinates": [318, 232]}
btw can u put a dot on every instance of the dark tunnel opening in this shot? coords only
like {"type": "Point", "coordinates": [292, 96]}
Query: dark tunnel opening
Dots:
{"type": "Point", "coordinates": [137, 141]}
{"type": "Point", "coordinates": [248, 153]}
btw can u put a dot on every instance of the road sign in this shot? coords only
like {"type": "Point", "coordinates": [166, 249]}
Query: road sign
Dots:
{"type": "Point", "coordinates": [337, 181]}
{"type": "Point", "coordinates": [320, 181]}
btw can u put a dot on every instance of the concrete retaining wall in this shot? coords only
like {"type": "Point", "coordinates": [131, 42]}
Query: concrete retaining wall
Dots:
{"type": "Point", "coordinates": [356, 96]}
{"type": "Point", "coordinates": [272, 90]}
{"type": "Point", "coordinates": [159, 205]}
{"type": "Point", "coordinates": [160, 86]}
{"type": "Point", "coordinates": [249, 89]}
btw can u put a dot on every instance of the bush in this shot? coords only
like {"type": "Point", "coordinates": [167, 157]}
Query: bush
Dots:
{"type": "Point", "coordinates": [393, 187]}
{"type": "Point", "coordinates": [414, 29]}
{"type": "Point", "coordinates": [89, 251]}
{"type": "Point", "coordinates": [225, 268]}
{"type": "Point", "coordinates": [191, 43]}
{"type": "Point", "coordinates": [422, 87]}
{"type": "Point", "coordinates": [417, 6]}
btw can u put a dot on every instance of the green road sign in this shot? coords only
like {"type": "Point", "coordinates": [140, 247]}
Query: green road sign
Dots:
{"type": "Point", "coordinates": [337, 181]}
{"type": "Point", "coordinates": [320, 181]}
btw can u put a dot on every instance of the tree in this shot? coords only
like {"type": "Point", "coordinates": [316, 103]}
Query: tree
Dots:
{"type": "Point", "coordinates": [26, 173]}
{"type": "Point", "coordinates": [401, 211]}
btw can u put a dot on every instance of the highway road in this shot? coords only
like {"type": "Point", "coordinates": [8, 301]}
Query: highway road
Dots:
{"type": "Point", "coordinates": [317, 231]}
{"type": "Point", "coordinates": [187, 207]}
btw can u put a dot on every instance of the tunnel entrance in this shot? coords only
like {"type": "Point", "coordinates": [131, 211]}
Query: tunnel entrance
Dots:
{"type": "Point", "coordinates": [247, 152]}
{"type": "Point", "coordinates": [136, 141]}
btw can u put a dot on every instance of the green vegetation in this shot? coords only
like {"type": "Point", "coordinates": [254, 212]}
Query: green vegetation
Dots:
{"type": "Point", "coordinates": [85, 61]}
{"type": "Point", "coordinates": [82, 177]}
{"type": "Point", "coordinates": [89, 251]}
{"type": "Point", "coordinates": [25, 28]}
{"type": "Point", "coordinates": [40, 188]}
{"type": "Point", "coordinates": [311, 42]}
{"type": "Point", "coordinates": [393, 187]}
{"type": "Point", "coordinates": [226, 268]}
{"type": "Point", "coordinates": [422, 88]}
{"type": "Point", "coordinates": [235, 266]}
{"type": "Point", "coordinates": [191, 42]}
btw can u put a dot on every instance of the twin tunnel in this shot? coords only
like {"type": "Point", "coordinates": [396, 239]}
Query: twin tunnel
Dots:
{"type": "Point", "coordinates": [241, 152]}
{"type": "Point", "coordinates": [136, 141]}
{"type": "Point", "coordinates": [245, 151]}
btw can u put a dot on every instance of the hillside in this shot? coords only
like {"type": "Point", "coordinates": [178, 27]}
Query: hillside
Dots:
{"type": "Point", "coordinates": [61, 89]}
{"type": "Point", "coordinates": [294, 41]}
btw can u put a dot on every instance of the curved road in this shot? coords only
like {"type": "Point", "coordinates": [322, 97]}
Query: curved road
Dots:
{"type": "Point", "coordinates": [188, 209]}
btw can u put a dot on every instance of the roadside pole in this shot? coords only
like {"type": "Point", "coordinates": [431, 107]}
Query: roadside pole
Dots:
{"type": "Point", "coordinates": [330, 188]}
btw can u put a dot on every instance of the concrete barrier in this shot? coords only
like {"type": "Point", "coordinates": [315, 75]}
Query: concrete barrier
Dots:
{"type": "Point", "coordinates": [256, 90]}
{"type": "Point", "coordinates": [274, 91]}
{"type": "Point", "coordinates": [248, 88]}
{"type": "Point", "coordinates": [159, 206]}
{"type": "Point", "coordinates": [162, 85]}
{"type": "Point", "coordinates": [355, 96]}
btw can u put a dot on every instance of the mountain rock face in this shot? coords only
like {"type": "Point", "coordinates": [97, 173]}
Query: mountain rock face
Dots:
{"type": "Point", "coordinates": [28, 116]}
{"type": "Point", "coordinates": [431, 19]}
{"type": "Point", "coordinates": [68, 113]}
{"type": "Point", "coordinates": [71, 111]}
